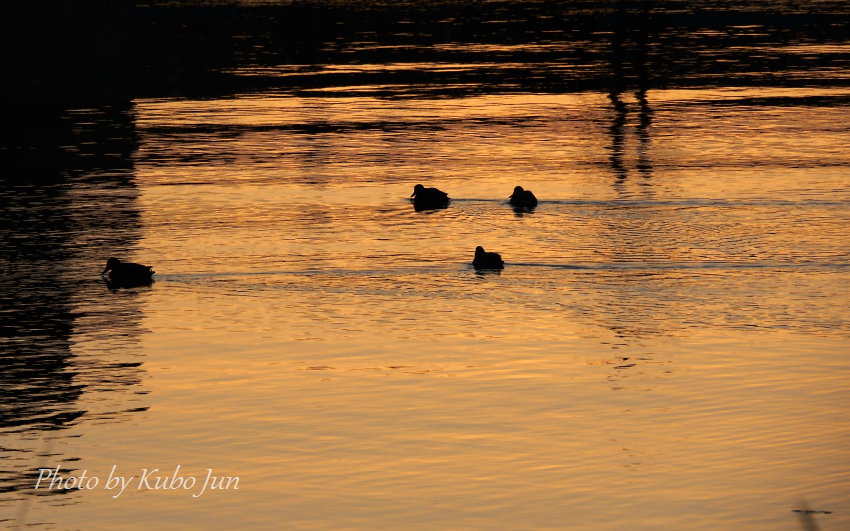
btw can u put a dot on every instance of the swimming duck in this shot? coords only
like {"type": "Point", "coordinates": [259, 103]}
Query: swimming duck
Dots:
{"type": "Point", "coordinates": [428, 198]}
{"type": "Point", "coordinates": [522, 198]}
{"type": "Point", "coordinates": [485, 260]}
{"type": "Point", "coordinates": [127, 273]}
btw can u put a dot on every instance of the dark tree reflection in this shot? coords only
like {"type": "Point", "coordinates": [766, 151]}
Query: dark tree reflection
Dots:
{"type": "Point", "coordinates": [67, 199]}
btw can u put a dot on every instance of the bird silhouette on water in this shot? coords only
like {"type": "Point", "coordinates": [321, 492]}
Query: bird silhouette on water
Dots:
{"type": "Point", "coordinates": [428, 198]}
{"type": "Point", "coordinates": [485, 260]}
{"type": "Point", "coordinates": [127, 274]}
{"type": "Point", "coordinates": [522, 199]}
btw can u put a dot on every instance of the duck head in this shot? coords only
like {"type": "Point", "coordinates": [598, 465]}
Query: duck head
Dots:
{"type": "Point", "coordinates": [111, 264]}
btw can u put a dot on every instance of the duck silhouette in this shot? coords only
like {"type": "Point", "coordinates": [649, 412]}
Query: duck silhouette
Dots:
{"type": "Point", "coordinates": [127, 274]}
{"type": "Point", "coordinates": [522, 198]}
{"type": "Point", "coordinates": [485, 260]}
{"type": "Point", "coordinates": [428, 198]}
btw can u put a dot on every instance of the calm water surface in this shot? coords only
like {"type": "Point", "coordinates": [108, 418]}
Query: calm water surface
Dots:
{"type": "Point", "coordinates": [667, 347]}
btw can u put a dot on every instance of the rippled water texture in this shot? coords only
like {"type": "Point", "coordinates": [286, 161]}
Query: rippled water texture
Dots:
{"type": "Point", "coordinates": [666, 348]}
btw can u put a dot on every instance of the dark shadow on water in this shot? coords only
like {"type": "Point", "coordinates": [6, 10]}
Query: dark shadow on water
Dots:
{"type": "Point", "coordinates": [69, 53]}
{"type": "Point", "coordinates": [67, 201]}
{"type": "Point", "coordinates": [483, 273]}
{"type": "Point", "coordinates": [522, 211]}
{"type": "Point", "coordinates": [116, 50]}
{"type": "Point", "coordinates": [429, 207]}
{"type": "Point", "coordinates": [114, 285]}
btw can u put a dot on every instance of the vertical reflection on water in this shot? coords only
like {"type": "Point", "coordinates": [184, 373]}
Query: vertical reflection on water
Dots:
{"type": "Point", "coordinates": [67, 198]}
{"type": "Point", "coordinates": [618, 138]}
{"type": "Point", "coordinates": [622, 229]}
{"type": "Point", "coordinates": [644, 161]}
{"type": "Point", "coordinates": [629, 70]}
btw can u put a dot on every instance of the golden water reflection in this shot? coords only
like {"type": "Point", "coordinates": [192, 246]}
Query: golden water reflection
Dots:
{"type": "Point", "coordinates": [665, 349]}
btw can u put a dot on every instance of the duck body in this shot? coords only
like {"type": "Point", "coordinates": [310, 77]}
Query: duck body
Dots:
{"type": "Point", "coordinates": [485, 260]}
{"type": "Point", "coordinates": [428, 198]}
{"type": "Point", "coordinates": [522, 198]}
{"type": "Point", "coordinates": [127, 274]}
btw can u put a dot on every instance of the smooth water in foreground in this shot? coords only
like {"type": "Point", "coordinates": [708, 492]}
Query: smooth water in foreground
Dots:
{"type": "Point", "coordinates": [666, 348]}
